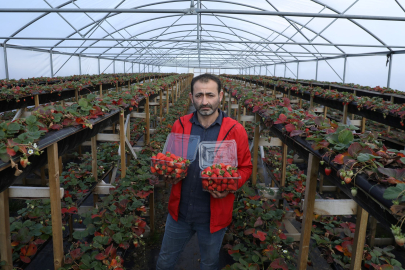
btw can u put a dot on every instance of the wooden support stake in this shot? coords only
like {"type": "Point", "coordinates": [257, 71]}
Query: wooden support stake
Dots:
{"type": "Point", "coordinates": [129, 85]}
{"type": "Point", "coordinates": [392, 101]}
{"type": "Point", "coordinates": [300, 103]}
{"type": "Point", "coordinates": [255, 149]}
{"type": "Point", "coordinates": [229, 104]}
{"type": "Point", "coordinates": [94, 165]}
{"type": "Point", "coordinates": [363, 124]}
{"type": "Point", "coordinates": [311, 102]}
{"type": "Point", "coordinates": [122, 145]}
{"type": "Point", "coordinates": [5, 235]}
{"type": "Point", "coordinates": [359, 238]}
{"type": "Point", "coordinates": [161, 106]}
{"type": "Point", "coordinates": [310, 192]}
{"type": "Point", "coordinates": [284, 164]}
{"type": "Point", "coordinates": [54, 189]}
{"type": "Point", "coordinates": [101, 90]}
{"type": "Point", "coordinates": [244, 114]}
{"type": "Point", "coordinates": [76, 95]}
{"type": "Point", "coordinates": [344, 120]}
{"type": "Point", "coordinates": [36, 100]}
{"type": "Point", "coordinates": [167, 100]}
{"type": "Point", "coordinates": [147, 135]}
{"type": "Point", "coordinates": [325, 112]}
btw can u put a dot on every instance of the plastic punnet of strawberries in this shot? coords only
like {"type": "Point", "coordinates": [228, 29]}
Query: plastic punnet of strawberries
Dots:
{"type": "Point", "coordinates": [169, 166]}
{"type": "Point", "coordinates": [220, 177]}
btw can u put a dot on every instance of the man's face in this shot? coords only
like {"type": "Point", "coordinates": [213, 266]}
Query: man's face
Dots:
{"type": "Point", "coordinates": [205, 97]}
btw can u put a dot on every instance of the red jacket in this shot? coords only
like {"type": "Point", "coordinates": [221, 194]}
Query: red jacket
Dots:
{"type": "Point", "coordinates": [221, 209]}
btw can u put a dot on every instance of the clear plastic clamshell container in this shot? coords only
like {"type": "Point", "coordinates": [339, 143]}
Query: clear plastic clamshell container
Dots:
{"type": "Point", "coordinates": [218, 162]}
{"type": "Point", "coordinates": [179, 151]}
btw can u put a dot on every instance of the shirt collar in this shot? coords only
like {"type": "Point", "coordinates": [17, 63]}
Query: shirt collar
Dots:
{"type": "Point", "coordinates": [218, 121]}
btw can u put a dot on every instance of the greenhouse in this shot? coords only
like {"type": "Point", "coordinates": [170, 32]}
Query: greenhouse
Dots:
{"type": "Point", "coordinates": [215, 134]}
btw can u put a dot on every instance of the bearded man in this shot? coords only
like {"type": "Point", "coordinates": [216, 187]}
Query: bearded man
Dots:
{"type": "Point", "coordinates": [192, 210]}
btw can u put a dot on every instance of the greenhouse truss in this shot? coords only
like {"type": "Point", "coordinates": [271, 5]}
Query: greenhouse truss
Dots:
{"type": "Point", "coordinates": [353, 41]}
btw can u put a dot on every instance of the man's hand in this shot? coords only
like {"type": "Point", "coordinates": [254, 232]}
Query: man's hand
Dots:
{"type": "Point", "coordinates": [172, 180]}
{"type": "Point", "coordinates": [219, 195]}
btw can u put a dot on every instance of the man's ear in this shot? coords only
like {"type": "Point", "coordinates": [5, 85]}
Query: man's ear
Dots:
{"type": "Point", "coordinates": [221, 95]}
{"type": "Point", "coordinates": [191, 97]}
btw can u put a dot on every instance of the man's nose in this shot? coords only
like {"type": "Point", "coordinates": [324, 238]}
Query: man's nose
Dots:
{"type": "Point", "coordinates": [204, 100]}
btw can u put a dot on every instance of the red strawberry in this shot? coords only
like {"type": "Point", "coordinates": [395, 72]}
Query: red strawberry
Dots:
{"type": "Point", "coordinates": [24, 162]}
{"type": "Point", "coordinates": [152, 170]}
{"type": "Point", "coordinates": [228, 167]}
{"type": "Point", "coordinates": [178, 171]}
{"type": "Point", "coordinates": [226, 174]}
{"type": "Point", "coordinates": [224, 186]}
{"type": "Point", "coordinates": [328, 171]}
{"type": "Point", "coordinates": [231, 181]}
{"type": "Point", "coordinates": [222, 165]}
{"type": "Point", "coordinates": [235, 175]}
{"type": "Point", "coordinates": [224, 180]}
{"type": "Point", "coordinates": [216, 171]}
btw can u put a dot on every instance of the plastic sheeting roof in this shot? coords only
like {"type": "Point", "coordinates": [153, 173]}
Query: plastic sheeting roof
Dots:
{"type": "Point", "coordinates": [226, 39]}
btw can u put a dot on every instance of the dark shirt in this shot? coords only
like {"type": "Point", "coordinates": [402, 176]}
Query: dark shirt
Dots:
{"type": "Point", "coordinates": [194, 202]}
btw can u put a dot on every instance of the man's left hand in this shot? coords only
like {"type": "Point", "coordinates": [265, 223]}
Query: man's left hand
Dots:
{"type": "Point", "coordinates": [219, 195]}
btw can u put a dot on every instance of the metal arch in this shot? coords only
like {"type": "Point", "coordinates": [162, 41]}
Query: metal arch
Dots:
{"type": "Point", "coordinates": [152, 4]}
{"type": "Point", "coordinates": [36, 19]}
{"type": "Point", "coordinates": [354, 22]}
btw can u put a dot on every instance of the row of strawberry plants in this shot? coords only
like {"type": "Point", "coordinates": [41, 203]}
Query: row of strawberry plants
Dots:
{"type": "Point", "coordinates": [350, 152]}
{"type": "Point", "coordinates": [120, 77]}
{"type": "Point", "coordinates": [370, 104]}
{"type": "Point", "coordinates": [340, 250]}
{"type": "Point", "coordinates": [117, 222]}
{"type": "Point", "coordinates": [20, 135]}
{"type": "Point", "coordinates": [377, 89]}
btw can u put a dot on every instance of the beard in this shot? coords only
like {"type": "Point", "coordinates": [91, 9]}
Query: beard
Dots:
{"type": "Point", "coordinates": [211, 108]}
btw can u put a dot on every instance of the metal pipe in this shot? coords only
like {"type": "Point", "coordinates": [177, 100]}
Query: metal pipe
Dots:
{"type": "Point", "coordinates": [195, 41]}
{"type": "Point", "coordinates": [99, 69]}
{"type": "Point", "coordinates": [51, 62]}
{"type": "Point", "coordinates": [188, 10]}
{"type": "Point", "coordinates": [389, 72]}
{"type": "Point", "coordinates": [344, 70]}
{"type": "Point", "coordinates": [80, 64]}
{"type": "Point", "coordinates": [285, 69]}
{"type": "Point", "coordinates": [316, 74]}
{"type": "Point", "coordinates": [298, 70]}
{"type": "Point", "coordinates": [5, 60]}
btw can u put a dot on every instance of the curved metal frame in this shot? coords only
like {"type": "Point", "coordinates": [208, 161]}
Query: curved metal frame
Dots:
{"type": "Point", "coordinates": [169, 55]}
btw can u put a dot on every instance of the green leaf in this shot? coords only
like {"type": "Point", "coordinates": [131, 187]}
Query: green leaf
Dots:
{"type": "Point", "coordinates": [80, 234]}
{"type": "Point", "coordinates": [117, 238]}
{"type": "Point", "coordinates": [402, 160]}
{"type": "Point", "coordinates": [2, 135]}
{"type": "Point", "coordinates": [31, 120]}
{"type": "Point", "coordinates": [255, 258]}
{"type": "Point", "coordinates": [346, 136]}
{"type": "Point", "coordinates": [13, 127]}
{"type": "Point", "coordinates": [392, 193]}
{"type": "Point", "coordinates": [83, 102]}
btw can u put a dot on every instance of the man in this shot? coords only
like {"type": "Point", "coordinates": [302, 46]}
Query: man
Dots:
{"type": "Point", "coordinates": [192, 210]}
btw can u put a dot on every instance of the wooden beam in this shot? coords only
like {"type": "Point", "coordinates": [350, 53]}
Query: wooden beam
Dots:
{"type": "Point", "coordinates": [103, 188]}
{"type": "Point", "coordinates": [102, 137]}
{"type": "Point", "coordinates": [310, 193]}
{"type": "Point", "coordinates": [167, 100]}
{"type": "Point", "coordinates": [147, 129]}
{"type": "Point", "coordinates": [54, 188]}
{"type": "Point", "coordinates": [359, 238]}
{"type": "Point", "coordinates": [122, 145]}
{"type": "Point", "coordinates": [36, 101]}
{"type": "Point", "coordinates": [160, 106]}
{"type": "Point", "coordinates": [255, 148]}
{"type": "Point", "coordinates": [101, 90]}
{"type": "Point", "coordinates": [284, 164]}
{"type": "Point", "coordinates": [138, 115]}
{"type": "Point", "coordinates": [5, 234]}
{"type": "Point", "coordinates": [17, 192]}
{"type": "Point", "coordinates": [344, 120]}
{"type": "Point", "coordinates": [94, 165]}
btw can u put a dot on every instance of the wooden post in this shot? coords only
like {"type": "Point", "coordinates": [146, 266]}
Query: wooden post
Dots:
{"type": "Point", "coordinates": [344, 120]}
{"type": "Point", "coordinates": [161, 106]}
{"type": "Point", "coordinates": [5, 235]}
{"type": "Point", "coordinates": [300, 103]}
{"type": "Point", "coordinates": [244, 113]}
{"type": "Point", "coordinates": [122, 145]}
{"type": "Point", "coordinates": [359, 238]}
{"type": "Point", "coordinates": [76, 95]}
{"type": "Point", "coordinates": [325, 112]}
{"type": "Point", "coordinates": [54, 190]}
{"type": "Point", "coordinates": [392, 101]}
{"type": "Point", "coordinates": [311, 102]}
{"type": "Point", "coordinates": [284, 164]}
{"type": "Point", "coordinates": [310, 192]}
{"type": "Point", "coordinates": [129, 85]}
{"type": "Point", "coordinates": [36, 100]}
{"type": "Point", "coordinates": [94, 165]}
{"type": "Point", "coordinates": [363, 124]}
{"type": "Point", "coordinates": [255, 149]}
{"type": "Point", "coordinates": [167, 100]}
{"type": "Point", "coordinates": [229, 104]}
{"type": "Point", "coordinates": [101, 90]}
{"type": "Point", "coordinates": [147, 134]}
{"type": "Point", "coordinates": [172, 94]}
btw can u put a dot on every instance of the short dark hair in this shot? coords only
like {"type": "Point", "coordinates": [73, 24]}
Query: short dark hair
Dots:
{"type": "Point", "coordinates": [204, 78]}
